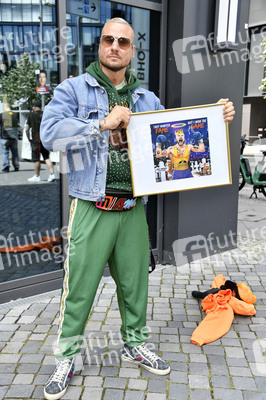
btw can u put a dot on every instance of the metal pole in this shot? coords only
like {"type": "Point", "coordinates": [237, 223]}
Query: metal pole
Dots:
{"type": "Point", "coordinates": [41, 49]}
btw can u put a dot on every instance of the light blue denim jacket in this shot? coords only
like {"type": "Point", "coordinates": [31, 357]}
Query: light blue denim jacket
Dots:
{"type": "Point", "coordinates": [71, 123]}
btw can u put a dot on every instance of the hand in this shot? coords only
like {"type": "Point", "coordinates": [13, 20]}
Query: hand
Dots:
{"type": "Point", "coordinates": [197, 138]}
{"type": "Point", "coordinates": [118, 117]}
{"type": "Point", "coordinates": [229, 110]}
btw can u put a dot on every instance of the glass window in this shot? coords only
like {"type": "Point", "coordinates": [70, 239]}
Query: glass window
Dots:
{"type": "Point", "coordinates": [47, 14]}
{"type": "Point", "coordinates": [26, 13]}
{"type": "Point", "coordinates": [35, 13]}
{"type": "Point", "coordinates": [6, 12]}
{"type": "Point", "coordinates": [9, 38]}
{"type": "Point", "coordinates": [16, 12]}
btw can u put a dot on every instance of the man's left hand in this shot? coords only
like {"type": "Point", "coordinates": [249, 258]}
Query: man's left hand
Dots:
{"type": "Point", "coordinates": [229, 110]}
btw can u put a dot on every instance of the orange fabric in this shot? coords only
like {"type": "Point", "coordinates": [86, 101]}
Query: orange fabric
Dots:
{"type": "Point", "coordinates": [220, 309]}
{"type": "Point", "coordinates": [245, 293]}
{"type": "Point", "coordinates": [46, 243]}
{"type": "Point", "coordinates": [218, 320]}
{"type": "Point", "coordinates": [242, 308]}
{"type": "Point", "coordinates": [218, 281]}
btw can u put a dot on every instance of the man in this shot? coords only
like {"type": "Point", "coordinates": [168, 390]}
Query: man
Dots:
{"type": "Point", "coordinates": [9, 138]}
{"type": "Point", "coordinates": [180, 153]}
{"type": "Point", "coordinates": [33, 134]}
{"type": "Point", "coordinates": [87, 118]}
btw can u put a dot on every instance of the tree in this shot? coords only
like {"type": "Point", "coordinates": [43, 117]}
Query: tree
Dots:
{"type": "Point", "coordinates": [18, 84]}
{"type": "Point", "coordinates": [263, 86]}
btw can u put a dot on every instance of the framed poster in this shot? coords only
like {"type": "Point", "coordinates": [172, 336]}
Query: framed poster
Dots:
{"type": "Point", "coordinates": [179, 149]}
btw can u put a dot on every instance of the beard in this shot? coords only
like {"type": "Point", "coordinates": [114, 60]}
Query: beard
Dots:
{"type": "Point", "coordinates": [113, 68]}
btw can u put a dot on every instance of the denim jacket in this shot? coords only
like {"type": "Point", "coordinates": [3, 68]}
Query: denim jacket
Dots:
{"type": "Point", "coordinates": [70, 123]}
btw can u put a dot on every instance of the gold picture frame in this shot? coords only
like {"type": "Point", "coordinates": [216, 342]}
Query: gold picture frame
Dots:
{"type": "Point", "coordinates": [167, 147]}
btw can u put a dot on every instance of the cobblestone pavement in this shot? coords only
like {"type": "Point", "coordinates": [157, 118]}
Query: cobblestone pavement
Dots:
{"type": "Point", "coordinates": [233, 367]}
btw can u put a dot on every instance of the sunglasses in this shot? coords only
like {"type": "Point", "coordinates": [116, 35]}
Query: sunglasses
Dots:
{"type": "Point", "coordinates": [123, 42]}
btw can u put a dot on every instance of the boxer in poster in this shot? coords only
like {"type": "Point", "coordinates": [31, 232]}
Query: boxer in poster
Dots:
{"type": "Point", "coordinates": [181, 149]}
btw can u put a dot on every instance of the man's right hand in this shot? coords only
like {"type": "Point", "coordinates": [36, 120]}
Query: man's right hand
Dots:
{"type": "Point", "coordinates": [118, 117]}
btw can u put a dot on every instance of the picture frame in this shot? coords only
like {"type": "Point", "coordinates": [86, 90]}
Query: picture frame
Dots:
{"type": "Point", "coordinates": [179, 149]}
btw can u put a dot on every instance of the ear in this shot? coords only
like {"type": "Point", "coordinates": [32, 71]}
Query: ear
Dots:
{"type": "Point", "coordinates": [133, 51]}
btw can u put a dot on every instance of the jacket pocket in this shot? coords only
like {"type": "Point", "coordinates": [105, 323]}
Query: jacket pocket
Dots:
{"type": "Point", "coordinates": [86, 112]}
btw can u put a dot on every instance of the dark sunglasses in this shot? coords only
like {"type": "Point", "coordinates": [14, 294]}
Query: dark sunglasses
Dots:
{"type": "Point", "coordinates": [123, 42]}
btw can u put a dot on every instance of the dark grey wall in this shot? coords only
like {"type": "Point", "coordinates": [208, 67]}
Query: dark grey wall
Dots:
{"type": "Point", "coordinates": [211, 210]}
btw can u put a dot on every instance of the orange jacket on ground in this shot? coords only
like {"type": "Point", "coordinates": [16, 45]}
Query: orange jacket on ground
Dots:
{"type": "Point", "coordinates": [220, 309]}
{"type": "Point", "coordinates": [218, 320]}
{"type": "Point", "coordinates": [243, 290]}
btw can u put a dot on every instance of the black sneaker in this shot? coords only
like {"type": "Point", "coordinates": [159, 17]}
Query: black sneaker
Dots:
{"type": "Point", "coordinates": [6, 169]}
{"type": "Point", "coordinates": [146, 358]}
{"type": "Point", "coordinates": [57, 384]}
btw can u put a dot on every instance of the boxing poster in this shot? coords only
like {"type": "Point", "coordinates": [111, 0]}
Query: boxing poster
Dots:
{"type": "Point", "coordinates": [179, 149]}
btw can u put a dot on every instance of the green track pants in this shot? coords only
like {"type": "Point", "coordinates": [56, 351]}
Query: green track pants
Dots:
{"type": "Point", "coordinates": [95, 238]}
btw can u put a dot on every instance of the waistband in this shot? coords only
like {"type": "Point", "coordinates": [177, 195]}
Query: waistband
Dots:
{"type": "Point", "coordinates": [117, 200]}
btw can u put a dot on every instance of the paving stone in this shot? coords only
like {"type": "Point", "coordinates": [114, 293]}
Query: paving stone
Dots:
{"type": "Point", "coordinates": [31, 347]}
{"type": "Point", "coordinates": [6, 379]}
{"type": "Point", "coordinates": [109, 371]}
{"type": "Point", "coordinates": [20, 391]}
{"type": "Point", "coordinates": [200, 394]}
{"type": "Point", "coordinates": [23, 379]}
{"type": "Point", "coordinates": [178, 377]}
{"type": "Point", "coordinates": [137, 384]}
{"type": "Point", "coordinates": [29, 368]}
{"type": "Point", "coordinates": [244, 383]}
{"type": "Point", "coordinates": [72, 393]}
{"type": "Point", "coordinates": [31, 358]}
{"type": "Point", "coordinates": [178, 392]}
{"type": "Point", "coordinates": [156, 396]}
{"type": "Point", "coordinates": [198, 369]}
{"type": "Point", "coordinates": [129, 372]}
{"type": "Point", "coordinates": [3, 390]}
{"type": "Point", "coordinates": [198, 382]}
{"type": "Point", "coordinates": [157, 386]}
{"type": "Point", "coordinates": [9, 358]}
{"type": "Point", "coordinates": [261, 383]}
{"type": "Point", "coordinates": [95, 381]}
{"type": "Point", "coordinates": [238, 371]}
{"type": "Point", "coordinates": [254, 396]}
{"type": "Point", "coordinates": [221, 381]}
{"type": "Point", "coordinates": [227, 394]}
{"type": "Point", "coordinates": [117, 383]}
{"type": "Point", "coordinates": [134, 395]}
{"type": "Point", "coordinates": [113, 394]}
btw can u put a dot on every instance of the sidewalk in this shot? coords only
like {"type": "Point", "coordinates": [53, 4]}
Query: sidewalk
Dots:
{"type": "Point", "coordinates": [226, 369]}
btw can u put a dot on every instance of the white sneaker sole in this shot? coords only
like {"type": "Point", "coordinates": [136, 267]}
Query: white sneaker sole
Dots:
{"type": "Point", "coordinates": [150, 369]}
{"type": "Point", "coordinates": [49, 396]}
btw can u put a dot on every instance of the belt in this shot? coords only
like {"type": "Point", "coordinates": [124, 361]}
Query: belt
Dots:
{"type": "Point", "coordinates": [117, 200]}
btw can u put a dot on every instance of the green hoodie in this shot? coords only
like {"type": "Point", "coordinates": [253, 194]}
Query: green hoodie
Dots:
{"type": "Point", "coordinates": [118, 167]}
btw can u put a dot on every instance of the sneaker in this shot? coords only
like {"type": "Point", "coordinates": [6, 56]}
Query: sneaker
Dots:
{"type": "Point", "coordinates": [147, 359]}
{"type": "Point", "coordinates": [57, 384]}
{"type": "Point", "coordinates": [16, 168]}
{"type": "Point", "coordinates": [35, 178]}
{"type": "Point", "coordinates": [51, 178]}
{"type": "Point", "coordinates": [6, 169]}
